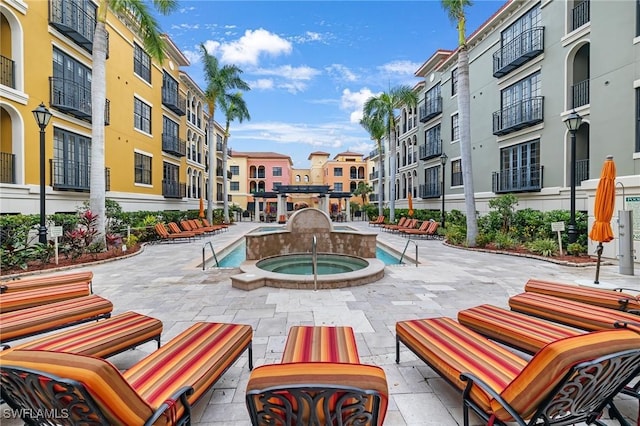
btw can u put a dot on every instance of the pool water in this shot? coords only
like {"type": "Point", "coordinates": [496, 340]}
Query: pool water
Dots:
{"type": "Point", "coordinates": [236, 256]}
{"type": "Point", "coordinates": [300, 264]}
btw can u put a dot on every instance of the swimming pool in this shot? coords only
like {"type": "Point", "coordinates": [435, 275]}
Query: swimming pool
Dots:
{"type": "Point", "coordinates": [237, 255]}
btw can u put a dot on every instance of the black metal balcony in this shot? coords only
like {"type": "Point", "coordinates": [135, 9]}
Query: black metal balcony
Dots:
{"type": "Point", "coordinates": [429, 190]}
{"type": "Point", "coordinates": [580, 15]}
{"type": "Point", "coordinates": [375, 175]}
{"type": "Point", "coordinates": [229, 174]}
{"type": "Point", "coordinates": [173, 189]}
{"type": "Point", "coordinates": [518, 51]}
{"type": "Point", "coordinates": [174, 101]}
{"type": "Point", "coordinates": [219, 146]}
{"type": "Point", "coordinates": [430, 150]}
{"type": "Point", "coordinates": [220, 197]}
{"type": "Point", "coordinates": [7, 72]}
{"type": "Point", "coordinates": [580, 93]}
{"type": "Point", "coordinates": [174, 145]}
{"type": "Point", "coordinates": [431, 108]}
{"type": "Point", "coordinates": [517, 179]}
{"type": "Point", "coordinates": [374, 197]}
{"type": "Point", "coordinates": [373, 154]}
{"type": "Point", "coordinates": [70, 17]}
{"type": "Point", "coordinates": [7, 167]}
{"type": "Point", "coordinates": [518, 116]}
{"type": "Point", "coordinates": [74, 99]}
{"type": "Point", "coordinates": [70, 175]}
{"type": "Point", "coordinates": [582, 171]}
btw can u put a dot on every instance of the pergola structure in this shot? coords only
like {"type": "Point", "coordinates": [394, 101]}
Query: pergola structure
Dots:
{"type": "Point", "coordinates": [324, 192]}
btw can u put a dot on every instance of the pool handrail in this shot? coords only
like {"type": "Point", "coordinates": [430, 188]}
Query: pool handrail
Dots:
{"type": "Point", "coordinates": [208, 243]}
{"type": "Point", "coordinates": [405, 250]}
{"type": "Point", "coordinates": [314, 261]}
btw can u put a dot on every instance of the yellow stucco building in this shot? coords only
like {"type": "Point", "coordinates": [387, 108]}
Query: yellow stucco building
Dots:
{"type": "Point", "coordinates": [156, 136]}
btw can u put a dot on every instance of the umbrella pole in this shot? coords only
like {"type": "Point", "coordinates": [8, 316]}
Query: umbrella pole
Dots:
{"type": "Point", "coordinates": [599, 251]}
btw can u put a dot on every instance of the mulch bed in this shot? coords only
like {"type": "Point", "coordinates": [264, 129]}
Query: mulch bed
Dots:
{"type": "Point", "coordinates": [565, 259]}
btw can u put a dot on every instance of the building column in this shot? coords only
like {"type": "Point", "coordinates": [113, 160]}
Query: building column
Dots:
{"type": "Point", "coordinates": [348, 218]}
{"type": "Point", "coordinates": [256, 210]}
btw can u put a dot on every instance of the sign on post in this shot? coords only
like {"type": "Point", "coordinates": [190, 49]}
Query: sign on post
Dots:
{"type": "Point", "coordinates": [558, 227]}
{"type": "Point", "coordinates": [55, 232]}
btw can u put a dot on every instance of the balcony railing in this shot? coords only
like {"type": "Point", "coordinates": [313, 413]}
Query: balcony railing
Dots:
{"type": "Point", "coordinates": [582, 171]}
{"type": "Point", "coordinates": [375, 175]}
{"type": "Point", "coordinates": [430, 109]}
{"type": "Point", "coordinates": [7, 72]}
{"type": "Point", "coordinates": [518, 115]}
{"type": "Point", "coordinates": [520, 50]}
{"type": "Point", "coordinates": [430, 150]}
{"type": "Point", "coordinates": [580, 15]}
{"type": "Point", "coordinates": [174, 145]}
{"type": "Point", "coordinates": [373, 154]}
{"type": "Point", "coordinates": [174, 101]}
{"type": "Point", "coordinates": [517, 179]}
{"type": "Point", "coordinates": [429, 190]}
{"type": "Point", "coordinates": [580, 93]}
{"type": "Point", "coordinates": [374, 197]}
{"type": "Point", "coordinates": [74, 99]}
{"type": "Point", "coordinates": [220, 197]}
{"type": "Point", "coordinates": [70, 175]}
{"type": "Point", "coordinates": [70, 17]}
{"type": "Point", "coordinates": [173, 189]}
{"type": "Point", "coordinates": [7, 167]}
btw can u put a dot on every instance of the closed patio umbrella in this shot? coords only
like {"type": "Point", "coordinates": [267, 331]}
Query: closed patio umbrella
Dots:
{"type": "Point", "coordinates": [410, 200]}
{"type": "Point", "coordinates": [603, 210]}
{"type": "Point", "coordinates": [201, 214]}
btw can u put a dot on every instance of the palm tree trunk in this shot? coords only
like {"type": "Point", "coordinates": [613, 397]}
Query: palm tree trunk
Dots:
{"type": "Point", "coordinates": [381, 173]}
{"type": "Point", "coordinates": [97, 187]}
{"type": "Point", "coordinates": [464, 116]}
{"type": "Point", "coordinates": [212, 157]}
{"type": "Point", "coordinates": [225, 196]}
{"type": "Point", "coordinates": [392, 178]}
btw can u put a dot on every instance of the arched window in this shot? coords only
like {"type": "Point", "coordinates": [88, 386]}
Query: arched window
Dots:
{"type": "Point", "coordinates": [298, 178]}
{"type": "Point", "coordinates": [361, 172]}
{"type": "Point", "coordinates": [353, 186]}
{"type": "Point", "coordinates": [306, 178]}
{"type": "Point", "coordinates": [353, 174]}
{"type": "Point", "coordinates": [252, 187]}
{"type": "Point", "coordinates": [189, 172]}
{"type": "Point", "coordinates": [261, 186]}
{"type": "Point", "coordinates": [261, 173]}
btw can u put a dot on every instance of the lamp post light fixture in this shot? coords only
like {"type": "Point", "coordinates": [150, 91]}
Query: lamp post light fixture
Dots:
{"type": "Point", "coordinates": [42, 116]}
{"type": "Point", "coordinates": [573, 122]}
{"type": "Point", "coordinates": [443, 161]}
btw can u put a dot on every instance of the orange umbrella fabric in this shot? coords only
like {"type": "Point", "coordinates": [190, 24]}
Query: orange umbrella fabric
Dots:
{"type": "Point", "coordinates": [605, 203]}
{"type": "Point", "coordinates": [201, 214]}
{"type": "Point", "coordinates": [410, 200]}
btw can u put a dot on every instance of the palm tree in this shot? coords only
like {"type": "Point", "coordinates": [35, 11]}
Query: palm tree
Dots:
{"type": "Point", "coordinates": [376, 130]}
{"type": "Point", "coordinates": [234, 107]}
{"type": "Point", "coordinates": [455, 10]}
{"type": "Point", "coordinates": [149, 30]}
{"type": "Point", "coordinates": [383, 107]}
{"type": "Point", "coordinates": [220, 80]}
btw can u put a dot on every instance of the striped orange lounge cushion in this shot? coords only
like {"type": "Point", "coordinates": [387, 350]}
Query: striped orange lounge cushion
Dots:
{"type": "Point", "coordinates": [42, 295]}
{"type": "Point", "coordinates": [513, 328]}
{"type": "Point", "coordinates": [101, 339]}
{"type": "Point", "coordinates": [45, 281]}
{"type": "Point", "coordinates": [451, 349]}
{"type": "Point", "coordinates": [196, 357]}
{"type": "Point", "coordinates": [321, 374]}
{"type": "Point", "coordinates": [25, 322]}
{"type": "Point", "coordinates": [117, 400]}
{"type": "Point", "coordinates": [547, 367]}
{"type": "Point", "coordinates": [569, 312]}
{"type": "Point", "coordinates": [593, 296]}
{"type": "Point", "coordinates": [321, 344]}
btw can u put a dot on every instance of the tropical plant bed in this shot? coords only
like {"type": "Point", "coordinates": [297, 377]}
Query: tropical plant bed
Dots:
{"type": "Point", "coordinates": [565, 259]}
{"type": "Point", "coordinates": [70, 262]}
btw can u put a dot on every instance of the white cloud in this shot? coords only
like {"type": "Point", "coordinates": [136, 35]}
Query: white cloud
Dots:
{"type": "Point", "coordinates": [187, 9]}
{"type": "Point", "coordinates": [287, 71]}
{"type": "Point", "coordinates": [192, 55]}
{"type": "Point", "coordinates": [250, 47]}
{"type": "Point", "coordinates": [261, 84]}
{"type": "Point", "coordinates": [341, 72]}
{"type": "Point", "coordinates": [400, 67]}
{"type": "Point", "coordinates": [354, 101]}
{"type": "Point", "coordinates": [185, 26]}
{"type": "Point", "coordinates": [311, 36]}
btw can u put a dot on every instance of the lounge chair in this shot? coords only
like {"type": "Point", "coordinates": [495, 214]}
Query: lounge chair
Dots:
{"type": "Point", "coordinates": [159, 389]}
{"type": "Point", "coordinates": [425, 231]}
{"type": "Point", "coordinates": [32, 282]}
{"type": "Point", "coordinates": [568, 381]}
{"type": "Point", "coordinates": [400, 223]}
{"type": "Point", "coordinates": [41, 296]}
{"type": "Point", "coordinates": [103, 338]}
{"type": "Point", "coordinates": [164, 234]}
{"type": "Point", "coordinates": [186, 226]}
{"type": "Point", "coordinates": [614, 299]}
{"type": "Point", "coordinates": [319, 382]}
{"type": "Point", "coordinates": [377, 221]}
{"type": "Point", "coordinates": [221, 226]}
{"type": "Point", "coordinates": [52, 316]}
{"type": "Point", "coordinates": [198, 225]}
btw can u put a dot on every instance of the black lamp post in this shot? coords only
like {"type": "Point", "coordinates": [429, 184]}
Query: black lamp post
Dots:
{"type": "Point", "coordinates": [443, 161]}
{"type": "Point", "coordinates": [42, 116]}
{"type": "Point", "coordinates": [573, 122]}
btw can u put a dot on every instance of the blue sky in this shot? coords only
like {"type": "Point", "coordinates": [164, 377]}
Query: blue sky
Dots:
{"type": "Point", "coordinates": [312, 64]}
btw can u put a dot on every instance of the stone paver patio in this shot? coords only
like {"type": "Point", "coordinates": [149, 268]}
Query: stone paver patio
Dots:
{"type": "Point", "coordinates": [166, 282]}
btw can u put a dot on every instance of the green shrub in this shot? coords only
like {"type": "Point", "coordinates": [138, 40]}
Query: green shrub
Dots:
{"type": "Point", "coordinates": [503, 240]}
{"type": "Point", "coordinates": [483, 239]}
{"type": "Point", "coordinates": [504, 206]}
{"type": "Point", "coordinates": [456, 217]}
{"type": "Point", "coordinates": [130, 241]}
{"type": "Point", "coordinates": [456, 234]}
{"type": "Point", "coordinates": [545, 247]}
{"type": "Point", "coordinates": [576, 249]}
